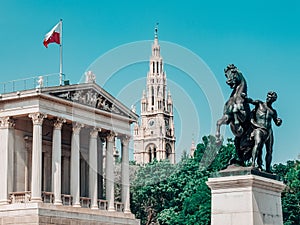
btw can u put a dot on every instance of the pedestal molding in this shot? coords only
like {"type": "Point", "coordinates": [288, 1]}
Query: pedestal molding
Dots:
{"type": "Point", "coordinates": [240, 198]}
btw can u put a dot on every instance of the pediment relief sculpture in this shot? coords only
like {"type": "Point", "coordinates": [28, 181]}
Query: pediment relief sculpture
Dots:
{"type": "Point", "coordinates": [90, 98]}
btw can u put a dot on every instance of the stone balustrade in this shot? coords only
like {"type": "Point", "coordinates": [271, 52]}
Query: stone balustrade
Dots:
{"type": "Point", "coordinates": [85, 202]}
{"type": "Point", "coordinates": [102, 204]}
{"type": "Point", "coordinates": [20, 197]}
{"type": "Point", "coordinates": [66, 199]}
{"type": "Point", "coordinates": [48, 197]}
{"type": "Point", "coordinates": [119, 206]}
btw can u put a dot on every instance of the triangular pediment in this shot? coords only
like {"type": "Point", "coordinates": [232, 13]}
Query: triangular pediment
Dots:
{"type": "Point", "coordinates": [93, 96]}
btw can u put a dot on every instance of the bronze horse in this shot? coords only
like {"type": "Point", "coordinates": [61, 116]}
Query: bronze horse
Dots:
{"type": "Point", "coordinates": [237, 114]}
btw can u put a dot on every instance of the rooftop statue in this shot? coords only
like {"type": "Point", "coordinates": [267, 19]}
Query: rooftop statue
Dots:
{"type": "Point", "coordinates": [251, 129]}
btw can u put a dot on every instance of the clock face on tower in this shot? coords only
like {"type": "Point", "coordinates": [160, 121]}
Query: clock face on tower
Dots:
{"type": "Point", "coordinates": [151, 122]}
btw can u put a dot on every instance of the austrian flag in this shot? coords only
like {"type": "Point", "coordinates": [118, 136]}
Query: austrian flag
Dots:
{"type": "Point", "coordinates": [53, 36]}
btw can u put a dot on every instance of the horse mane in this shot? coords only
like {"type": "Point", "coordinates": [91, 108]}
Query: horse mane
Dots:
{"type": "Point", "coordinates": [243, 85]}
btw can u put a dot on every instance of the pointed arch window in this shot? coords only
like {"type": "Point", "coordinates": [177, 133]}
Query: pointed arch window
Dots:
{"type": "Point", "coordinates": [168, 151]}
{"type": "Point", "coordinates": [153, 66]}
{"type": "Point", "coordinates": [152, 94]}
{"type": "Point", "coordinates": [150, 154]}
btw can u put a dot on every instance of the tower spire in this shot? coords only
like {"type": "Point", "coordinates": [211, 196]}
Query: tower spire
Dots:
{"type": "Point", "coordinates": [156, 31]}
{"type": "Point", "coordinates": [155, 136]}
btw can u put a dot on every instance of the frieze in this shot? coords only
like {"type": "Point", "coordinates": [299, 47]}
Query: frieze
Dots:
{"type": "Point", "coordinates": [90, 98]}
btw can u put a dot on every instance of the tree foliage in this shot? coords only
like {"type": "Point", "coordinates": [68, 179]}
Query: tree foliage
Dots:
{"type": "Point", "coordinates": [163, 193]}
{"type": "Point", "coordinates": [150, 191]}
{"type": "Point", "coordinates": [167, 194]}
{"type": "Point", "coordinates": [290, 175]}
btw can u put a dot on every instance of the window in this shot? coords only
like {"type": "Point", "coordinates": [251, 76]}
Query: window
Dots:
{"type": "Point", "coordinates": [152, 94]}
{"type": "Point", "coordinates": [153, 67]}
{"type": "Point", "coordinates": [168, 151]}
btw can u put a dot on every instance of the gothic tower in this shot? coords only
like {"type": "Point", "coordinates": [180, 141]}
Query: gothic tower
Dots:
{"type": "Point", "coordinates": [154, 137]}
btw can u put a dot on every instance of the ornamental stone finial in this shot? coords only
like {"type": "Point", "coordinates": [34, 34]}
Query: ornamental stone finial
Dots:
{"type": "Point", "coordinates": [156, 30]}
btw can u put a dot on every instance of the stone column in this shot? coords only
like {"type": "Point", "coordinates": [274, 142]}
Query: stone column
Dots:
{"type": "Point", "coordinates": [6, 158]}
{"type": "Point", "coordinates": [36, 171]}
{"type": "Point", "coordinates": [125, 174]}
{"type": "Point", "coordinates": [26, 169]}
{"type": "Point", "coordinates": [93, 194]}
{"type": "Point", "coordinates": [75, 166]}
{"type": "Point", "coordinates": [100, 168]}
{"type": "Point", "coordinates": [28, 161]}
{"type": "Point", "coordinates": [56, 160]}
{"type": "Point", "coordinates": [109, 171]}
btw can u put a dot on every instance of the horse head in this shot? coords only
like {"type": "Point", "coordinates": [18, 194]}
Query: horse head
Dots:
{"type": "Point", "coordinates": [233, 75]}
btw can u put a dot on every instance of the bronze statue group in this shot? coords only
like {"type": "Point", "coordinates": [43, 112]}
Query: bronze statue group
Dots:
{"type": "Point", "coordinates": [252, 128]}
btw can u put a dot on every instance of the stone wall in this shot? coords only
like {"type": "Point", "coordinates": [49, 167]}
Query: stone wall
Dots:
{"type": "Point", "coordinates": [42, 214]}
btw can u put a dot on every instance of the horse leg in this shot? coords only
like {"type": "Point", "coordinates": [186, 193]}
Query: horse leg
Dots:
{"type": "Point", "coordinates": [220, 122]}
{"type": "Point", "coordinates": [239, 152]}
{"type": "Point", "coordinates": [238, 129]}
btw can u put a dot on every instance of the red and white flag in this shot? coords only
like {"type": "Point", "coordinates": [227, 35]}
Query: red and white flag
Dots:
{"type": "Point", "coordinates": [53, 36]}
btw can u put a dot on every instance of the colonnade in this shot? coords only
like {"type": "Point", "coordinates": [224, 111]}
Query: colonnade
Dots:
{"type": "Point", "coordinates": [6, 165]}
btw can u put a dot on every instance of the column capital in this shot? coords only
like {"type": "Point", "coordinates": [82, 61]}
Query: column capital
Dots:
{"type": "Point", "coordinates": [94, 132]}
{"type": "Point", "coordinates": [125, 140]}
{"type": "Point", "coordinates": [58, 123]}
{"type": "Point", "coordinates": [7, 122]}
{"type": "Point", "coordinates": [37, 118]}
{"type": "Point", "coordinates": [77, 127]}
{"type": "Point", "coordinates": [111, 136]}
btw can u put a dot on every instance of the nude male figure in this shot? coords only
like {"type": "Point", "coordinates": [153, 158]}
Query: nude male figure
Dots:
{"type": "Point", "coordinates": [263, 114]}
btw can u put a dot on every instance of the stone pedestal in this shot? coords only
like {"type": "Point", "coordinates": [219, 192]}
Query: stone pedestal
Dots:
{"type": "Point", "coordinates": [243, 196]}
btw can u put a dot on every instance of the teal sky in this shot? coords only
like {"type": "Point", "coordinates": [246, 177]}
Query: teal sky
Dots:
{"type": "Point", "coordinates": [262, 38]}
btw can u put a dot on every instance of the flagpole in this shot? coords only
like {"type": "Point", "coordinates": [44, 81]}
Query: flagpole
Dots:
{"type": "Point", "coordinates": [60, 56]}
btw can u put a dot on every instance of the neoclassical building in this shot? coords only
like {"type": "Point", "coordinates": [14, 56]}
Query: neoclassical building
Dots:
{"type": "Point", "coordinates": [52, 143]}
{"type": "Point", "coordinates": [154, 137]}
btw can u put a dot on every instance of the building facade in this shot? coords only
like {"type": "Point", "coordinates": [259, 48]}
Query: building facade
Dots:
{"type": "Point", "coordinates": [154, 137]}
{"type": "Point", "coordinates": [52, 144]}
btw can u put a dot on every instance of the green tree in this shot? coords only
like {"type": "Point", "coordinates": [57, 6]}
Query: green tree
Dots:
{"type": "Point", "coordinates": [290, 174]}
{"type": "Point", "coordinates": [168, 194]}
{"type": "Point", "coordinates": [150, 191]}
{"type": "Point", "coordinates": [192, 202]}
{"type": "Point", "coordinates": [177, 194]}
